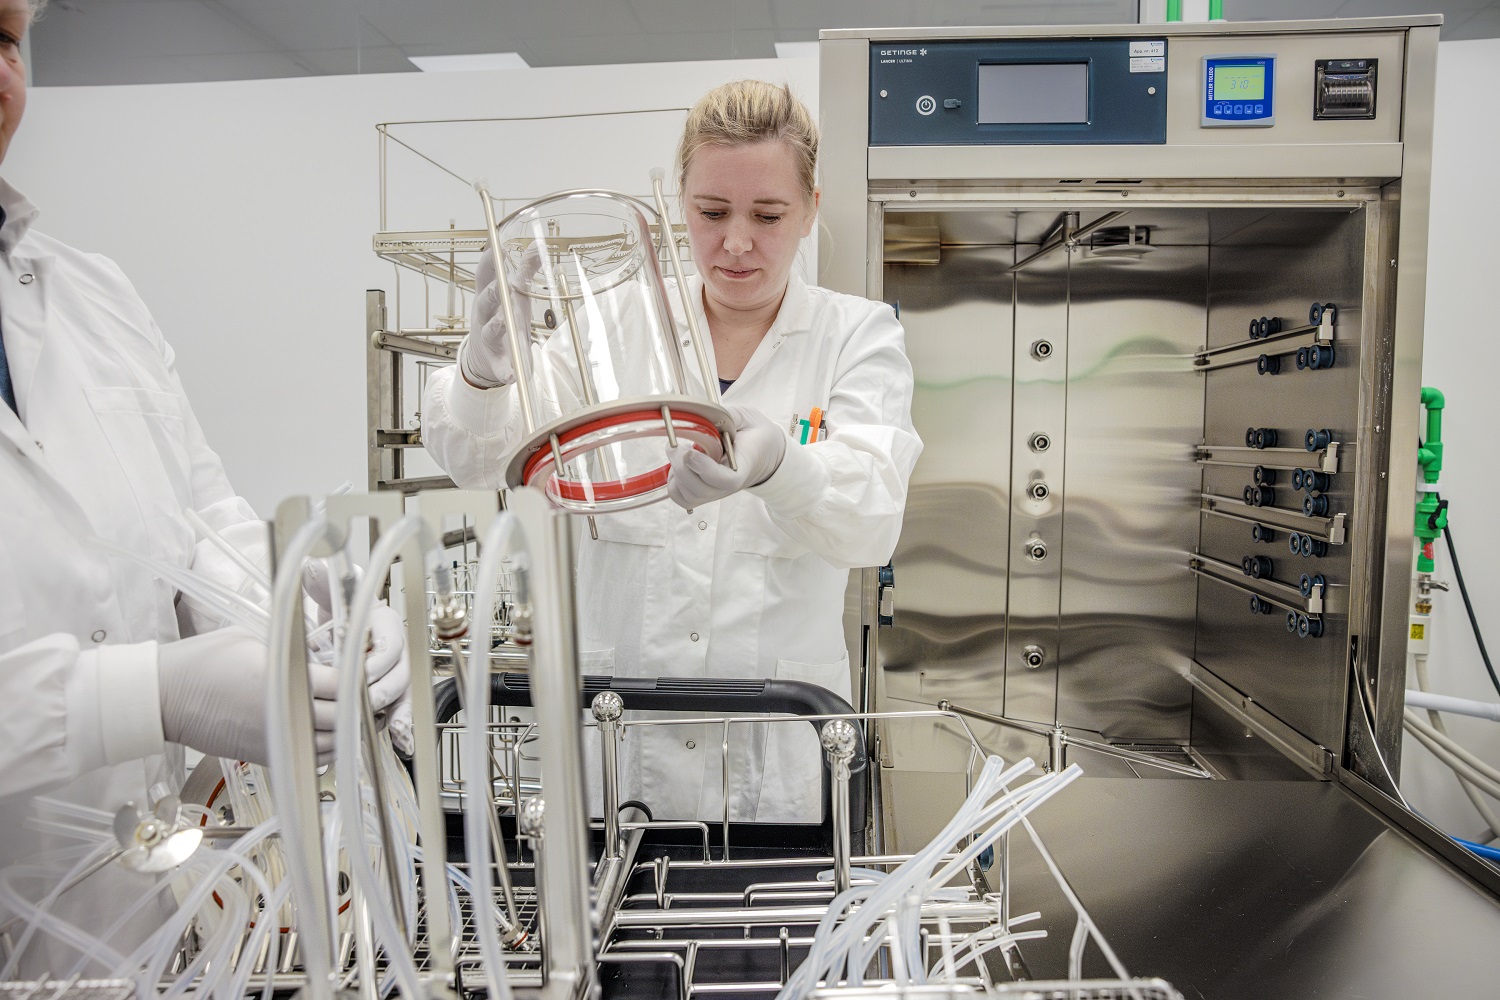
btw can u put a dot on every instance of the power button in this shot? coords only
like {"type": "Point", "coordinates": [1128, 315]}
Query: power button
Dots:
{"type": "Point", "coordinates": [926, 105]}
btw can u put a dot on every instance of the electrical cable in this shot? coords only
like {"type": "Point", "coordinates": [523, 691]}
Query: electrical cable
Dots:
{"type": "Point", "coordinates": [1463, 591]}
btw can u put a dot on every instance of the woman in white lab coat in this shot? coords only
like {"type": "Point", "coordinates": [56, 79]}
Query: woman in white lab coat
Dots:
{"type": "Point", "coordinates": [745, 576]}
{"type": "Point", "coordinates": [104, 673]}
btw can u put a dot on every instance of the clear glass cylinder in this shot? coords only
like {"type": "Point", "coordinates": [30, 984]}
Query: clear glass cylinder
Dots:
{"type": "Point", "coordinates": [608, 377]}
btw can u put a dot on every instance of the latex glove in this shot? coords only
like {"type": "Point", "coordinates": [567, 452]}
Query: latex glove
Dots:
{"type": "Point", "coordinates": [213, 695]}
{"type": "Point", "coordinates": [759, 446]}
{"type": "Point", "coordinates": [387, 671]}
{"type": "Point", "coordinates": [398, 720]}
{"type": "Point", "coordinates": [484, 356]}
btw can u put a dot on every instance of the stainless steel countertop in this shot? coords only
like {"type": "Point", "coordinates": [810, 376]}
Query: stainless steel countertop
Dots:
{"type": "Point", "coordinates": [1263, 889]}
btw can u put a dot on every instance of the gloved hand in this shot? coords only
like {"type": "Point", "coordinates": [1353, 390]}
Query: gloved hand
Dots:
{"type": "Point", "coordinates": [484, 356]}
{"type": "Point", "coordinates": [759, 446]}
{"type": "Point", "coordinates": [213, 695]}
{"type": "Point", "coordinates": [387, 671]}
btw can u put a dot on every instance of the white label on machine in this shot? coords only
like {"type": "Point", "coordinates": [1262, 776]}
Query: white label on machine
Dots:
{"type": "Point", "coordinates": [1156, 48]}
{"type": "Point", "coordinates": [1148, 64]}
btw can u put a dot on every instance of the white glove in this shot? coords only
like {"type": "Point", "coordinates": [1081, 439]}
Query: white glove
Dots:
{"type": "Point", "coordinates": [387, 671]}
{"type": "Point", "coordinates": [484, 356]}
{"type": "Point", "coordinates": [759, 446]}
{"type": "Point", "coordinates": [213, 695]}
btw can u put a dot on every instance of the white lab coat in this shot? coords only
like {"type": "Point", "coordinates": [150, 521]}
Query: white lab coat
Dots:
{"type": "Point", "coordinates": [749, 586]}
{"type": "Point", "coordinates": [106, 445]}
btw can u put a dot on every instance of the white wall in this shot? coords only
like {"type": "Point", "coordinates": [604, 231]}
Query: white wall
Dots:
{"type": "Point", "coordinates": [243, 212]}
{"type": "Point", "coordinates": [1463, 337]}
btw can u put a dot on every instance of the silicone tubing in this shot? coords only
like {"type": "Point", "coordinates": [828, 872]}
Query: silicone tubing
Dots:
{"type": "Point", "coordinates": [348, 759]}
{"type": "Point", "coordinates": [500, 541]}
{"type": "Point", "coordinates": [286, 598]}
{"type": "Point", "coordinates": [39, 915]}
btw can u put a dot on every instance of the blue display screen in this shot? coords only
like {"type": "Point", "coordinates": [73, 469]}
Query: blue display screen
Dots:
{"type": "Point", "coordinates": [1239, 90]}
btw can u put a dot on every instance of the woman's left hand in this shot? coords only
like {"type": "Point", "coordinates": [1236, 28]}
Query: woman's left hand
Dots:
{"type": "Point", "coordinates": [759, 446]}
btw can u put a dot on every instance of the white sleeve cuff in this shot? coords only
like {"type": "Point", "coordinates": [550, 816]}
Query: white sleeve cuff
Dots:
{"type": "Point", "coordinates": [479, 411]}
{"type": "Point", "coordinates": [798, 483]}
{"type": "Point", "coordinates": [114, 712]}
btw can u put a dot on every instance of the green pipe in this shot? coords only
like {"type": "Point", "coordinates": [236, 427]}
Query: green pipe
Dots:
{"type": "Point", "coordinates": [1431, 517]}
{"type": "Point", "coordinates": [1216, 10]}
{"type": "Point", "coordinates": [1174, 10]}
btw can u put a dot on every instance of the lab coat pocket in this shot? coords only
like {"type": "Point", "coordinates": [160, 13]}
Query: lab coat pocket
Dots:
{"type": "Point", "coordinates": [756, 533]}
{"type": "Point", "coordinates": [642, 526]}
{"type": "Point", "coordinates": [792, 778]}
{"type": "Point", "coordinates": [146, 430]}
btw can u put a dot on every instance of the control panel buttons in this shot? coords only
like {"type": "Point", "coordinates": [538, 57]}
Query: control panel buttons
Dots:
{"type": "Point", "coordinates": [952, 103]}
{"type": "Point", "coordinates": [926, 105]}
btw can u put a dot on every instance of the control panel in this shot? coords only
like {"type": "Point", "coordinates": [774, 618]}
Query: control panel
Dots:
{"type": "Point", "coordinates": [1019, 92]}
{"type": "Point", "coordinates": [1239, 91]}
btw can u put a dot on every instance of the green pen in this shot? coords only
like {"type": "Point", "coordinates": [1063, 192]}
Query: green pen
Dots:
{"type": "Point", "coordinates": [805, 426]}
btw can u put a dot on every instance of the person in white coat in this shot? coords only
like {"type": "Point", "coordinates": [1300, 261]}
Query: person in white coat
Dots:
{"type": "Point", "coordinates": [105, 672]}
{"type": "Point", "coordinates": [745, 576]}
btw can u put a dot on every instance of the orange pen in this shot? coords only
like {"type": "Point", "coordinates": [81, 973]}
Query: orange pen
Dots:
{"type": "Point", "coordinates": [814, 419]}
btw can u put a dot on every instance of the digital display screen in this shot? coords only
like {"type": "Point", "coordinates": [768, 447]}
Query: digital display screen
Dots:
{"type": "Point", "coordinates": [1033, 93]}
{"type": "Point", "coordinates": [1239, 83]}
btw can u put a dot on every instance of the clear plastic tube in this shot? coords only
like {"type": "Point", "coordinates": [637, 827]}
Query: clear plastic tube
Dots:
{"type": "Point", "coordinates": [286, 597]}
{"type": "Point", "coordinates": [348, 759]}
{"type": "Point", "coordinates": [836, 944]}
{"type": "Point", "coordinates": [234, 555]}
{"type": "Point", "coordinates": [39, 915]}
{"type": "Point", "coordinates": [499, 539]}
{"type": "Point", "coordinates": [235, 607]}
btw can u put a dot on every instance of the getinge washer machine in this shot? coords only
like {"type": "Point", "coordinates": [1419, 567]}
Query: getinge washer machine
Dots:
{"type": "Point", "coordinates": [1163, 288]}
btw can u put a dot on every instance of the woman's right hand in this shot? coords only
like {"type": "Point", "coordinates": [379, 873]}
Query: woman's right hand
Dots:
{"type": "Point", "coordinates": [484, 355]}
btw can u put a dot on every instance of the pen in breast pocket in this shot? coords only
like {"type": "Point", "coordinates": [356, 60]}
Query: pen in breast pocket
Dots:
{"type": "Point", "coordinates": [814, 422]}
{"type": "Point", "coordinates": [796, 423]}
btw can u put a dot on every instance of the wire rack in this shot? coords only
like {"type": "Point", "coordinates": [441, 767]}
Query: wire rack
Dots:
{"type": "Point", "coordinates": [68, 989]}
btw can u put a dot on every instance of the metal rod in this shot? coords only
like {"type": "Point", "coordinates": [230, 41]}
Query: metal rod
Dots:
{"type": "Point", "coordinates": [580, 356]}
{"type": "Point", "coordinates": [608, 708]}
{"type": "Point", "coordinates": [1064, 235]}
{"type": "Point", "coordinates": [705, 366]}
{"type": "Point", "coordinates": [511, 333]}
{"type": "Point", "coordinates": [838, 738]}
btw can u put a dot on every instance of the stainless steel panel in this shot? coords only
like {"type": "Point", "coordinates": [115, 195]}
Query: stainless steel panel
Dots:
{"type": "Point", "coordinates": [953, 557]}
{"type": "Point", "coordinates": [843, 89]}
{"type": "Point", "coordinates": [1134, 419]}
{"type": "Point", "coordinates": [1277, 266]}
{"type": "Point", "coordinates": [1256, 889]}
{"type": "Point", "coordinates": [1102, 163]}
{"type": "Point", "coordinates": [1041, 411]}
{"type": "Point", "coordinates": [1294, 90]}
{"type": "Point", "coordinates": [1183, 29]}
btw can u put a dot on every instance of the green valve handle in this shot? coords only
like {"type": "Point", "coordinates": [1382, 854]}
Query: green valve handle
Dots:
{"type": "Point", "coordinates": [1432, 513]}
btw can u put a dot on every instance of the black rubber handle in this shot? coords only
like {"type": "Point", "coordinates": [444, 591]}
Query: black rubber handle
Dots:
{"type": "Point", "coordinates": [703, 695]}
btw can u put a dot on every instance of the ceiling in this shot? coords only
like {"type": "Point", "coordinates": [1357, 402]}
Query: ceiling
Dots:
{"type": "Point", "coordinates": [79, 42]}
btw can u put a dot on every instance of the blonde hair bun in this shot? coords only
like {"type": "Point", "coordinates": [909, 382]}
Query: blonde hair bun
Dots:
{"type": "Point", "coordinates": [747, 111]}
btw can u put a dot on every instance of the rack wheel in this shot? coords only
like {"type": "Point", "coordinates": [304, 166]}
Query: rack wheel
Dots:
{"type": "Point", "coordinates": [1305, 545]}
{"type": "Point", "coordinates": [1331, 311]}
{"type": "Point", "coordinates": [1319, 548]}
{"type": "Point", "coordinates": [1320, 357]}
{"type": "Point", "coordinates": [1249, 496]}
{"type": "Point", "coordinates": [1305, 584]}
{"type": "Point", "coordinates": [1255, 329]}
{"type": "Point", "coordinates": [1297, 479]}
{"type": "Point", "coordinates": [1245, 565]}
{"type": "Point", "coordinates": [1315, 313]}
{"type": "Point", "coordinates": [1315, 505]}
{"type": "Point", "coordinates": [1261, 533]}
{"type": "Point", "coordinates": [1301, 359]}
{"type": "Point", "coordinates": [1270, 326]}
{"type": "Point", "coordinates": [1291, 622]}
{"type": "Point", "coordinates": [1264, 476]}
{"type": "Point", "coordinates": [1315, 482]}
{"type": "Point", "coordinates": [1259, 605]}
{"type": "Point", "coordinates": [1261, 567]}
{"type": "Point", "coordinates": [1294, 542]}
{"type": "Point", "coordinates": [1317, 440]}
{"type": "Point", "coordinates": [1250, 437]}
{"type": "Point", "coordinates": [1310, 628]}
{"type": "Point", "coordinates": [1268, 364]}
